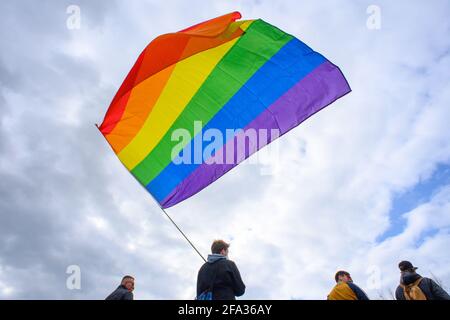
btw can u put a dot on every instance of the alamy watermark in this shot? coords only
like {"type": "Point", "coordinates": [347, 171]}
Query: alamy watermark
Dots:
{"type": "Point", "coordinates": [73, 281]}
{"type": "Point", "coordinates": [73, 21]}
{"type": "Point", "coordinates": [374, 278]}
{"type": "Point", "coordinates": [373, 21]}
{"type": "Point", "coordinates": [228, 146]}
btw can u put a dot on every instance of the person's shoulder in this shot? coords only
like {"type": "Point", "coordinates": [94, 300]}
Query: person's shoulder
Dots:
{"type": "Point", "coordinates": [117, 294]}
{"type": "Point", "coordinates": [352, 286]}
{"type": "Point", "coordinates": [360, 294]}
{"type": "Point", "coordinates": [230, 264]}
{"type": "Point", "coordinates": [428, 283]}
{"type": "Point", "coordinates": [204, 266]}
{"type": "Point", "coordinates": [121, 289]}
{"type": "Point", "coordinates": [332, 295]}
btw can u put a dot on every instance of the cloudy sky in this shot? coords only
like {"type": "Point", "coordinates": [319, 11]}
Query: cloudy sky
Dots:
{"type": "Point", "coordinates": [359, 186]}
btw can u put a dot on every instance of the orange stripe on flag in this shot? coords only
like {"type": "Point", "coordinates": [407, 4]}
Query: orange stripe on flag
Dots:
{"type": "Point", "coordinates": [140, 103]}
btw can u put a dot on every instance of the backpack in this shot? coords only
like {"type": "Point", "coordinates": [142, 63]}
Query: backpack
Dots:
{"type": "Point", "coordinates": [207, 294]}
{"type": "Point", "coordinates": [413, 291]}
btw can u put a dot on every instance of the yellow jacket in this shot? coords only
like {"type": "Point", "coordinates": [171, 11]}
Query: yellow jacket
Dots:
{"type": "Point", "coordinates": [347, 291]}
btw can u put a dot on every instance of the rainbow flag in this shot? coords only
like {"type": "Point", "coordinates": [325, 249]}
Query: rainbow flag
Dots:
{"type": "Point", "coordinates": [189, 87]}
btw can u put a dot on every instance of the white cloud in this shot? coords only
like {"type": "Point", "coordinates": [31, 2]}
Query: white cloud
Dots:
{"type": "Point", "coordinates": [323, 209]}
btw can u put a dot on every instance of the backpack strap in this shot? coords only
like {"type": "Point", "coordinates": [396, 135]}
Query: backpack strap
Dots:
{"type": "Point", "coordinates": [407, 288]}
{"type": "Point", "coordinates": [417, 282]}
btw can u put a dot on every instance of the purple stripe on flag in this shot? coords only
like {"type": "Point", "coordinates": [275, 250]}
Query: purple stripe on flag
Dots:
{"type": "Point", "coordinates": [318, 89]}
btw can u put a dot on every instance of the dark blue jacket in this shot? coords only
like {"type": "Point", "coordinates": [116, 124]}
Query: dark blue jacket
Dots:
{"type": "Point", "coordinates": [430, 288]}
{"type": "Point", "coordinates": [121, 293]}
{"type": "Point", "coordinates": [226, 277]}
{"type": "Point", "coordinates": [361, 295]}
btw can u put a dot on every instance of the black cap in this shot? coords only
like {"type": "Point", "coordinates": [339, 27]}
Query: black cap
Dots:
{"type": "Point", "coordinates": [406, 265]}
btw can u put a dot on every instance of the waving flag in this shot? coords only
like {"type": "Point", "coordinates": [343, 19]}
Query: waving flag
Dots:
{"type": "Point", "coordinates": [218, 75]}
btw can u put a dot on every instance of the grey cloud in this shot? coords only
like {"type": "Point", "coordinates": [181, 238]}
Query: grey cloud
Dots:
{"type": "Point", "coordinates": [58, 177]}
{"type": "Point", "coordinates": [54, 173]}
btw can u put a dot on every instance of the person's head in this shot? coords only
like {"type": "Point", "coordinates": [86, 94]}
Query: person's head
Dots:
{"type": "Point", "coordinates": [406, 266]}
{"type": "Point", "coordinates": [220, 247]}
{"type": "Point", "coordinates": [128, 282]}
{"type": "Point", "coordinates": [342, 276]}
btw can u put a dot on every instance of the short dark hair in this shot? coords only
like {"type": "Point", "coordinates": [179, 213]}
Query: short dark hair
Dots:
{"type": "Point", "coordinates": [127, 277]}
{"type": "Point", "coordinates": [219, 245]}
{"type": "Point", "coordinates": [340, 273]}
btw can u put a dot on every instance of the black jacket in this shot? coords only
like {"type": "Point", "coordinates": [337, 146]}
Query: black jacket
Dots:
{"type": "Point", "coordinates": [121, 293]}
{"type": "Point", "coordinates": [227, 284]}
{"type": "Point", "coordinates": [429, 288]}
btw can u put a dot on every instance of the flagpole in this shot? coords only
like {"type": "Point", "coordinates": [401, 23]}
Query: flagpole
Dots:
{"type": "Point", "coordinates": [187, 239]}
{"type": "Point", "coordinates": [164, 211]}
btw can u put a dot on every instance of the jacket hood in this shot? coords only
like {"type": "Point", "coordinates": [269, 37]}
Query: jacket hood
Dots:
{"type": "Point", "coordinates": [215, 257]}
{"type": "Point", "coordinates": [409, 277]}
